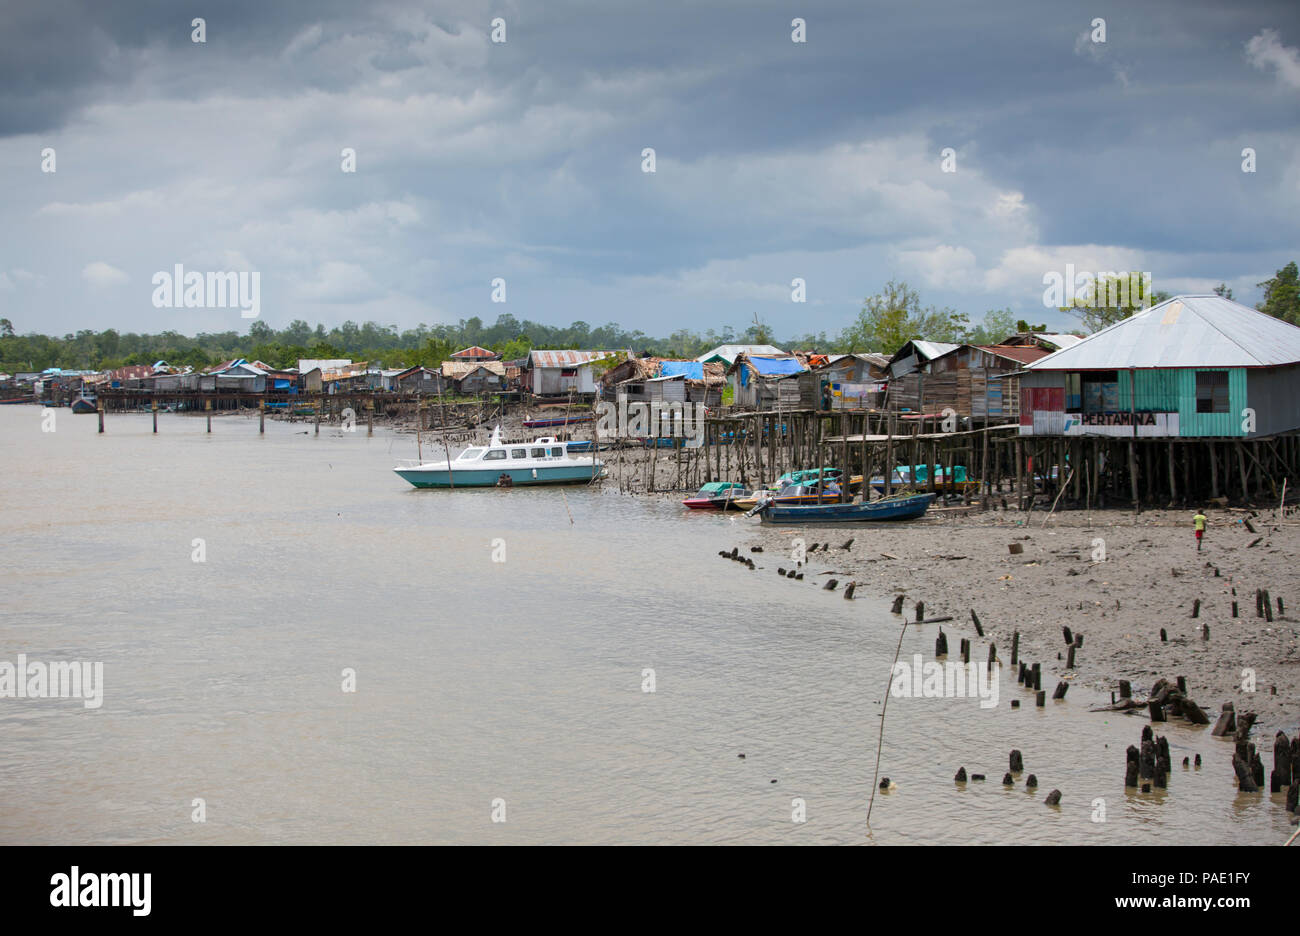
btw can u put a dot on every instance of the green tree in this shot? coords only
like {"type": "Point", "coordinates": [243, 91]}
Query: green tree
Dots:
{"type": "Point", "coordinates": [757, 333]}
{"type": "Point", "coordinates": [894, 316]}
{"type": "Point", "coordinates": [1282, 295]}
{"type": "Point", "coordinates": [1223, 290]}
{"type": "Point", "coordinates": [323, 351]}
{"type": "Point", "coordinates": [1111, 298]}
{"type": "Point", "coordinates": [997, 325]}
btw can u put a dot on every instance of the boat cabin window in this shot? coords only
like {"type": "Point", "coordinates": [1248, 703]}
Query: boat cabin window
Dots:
{"type": "Point", "coordinates": [519, 453]}
{"type": "Point", "coordinates": [557, 453]}
{"type": "Point", "coordinates": [495, 455]}
{"type": "Point", "coordinates": [539, 453]}
{"type": "Point", "coordinates": [470, 454]}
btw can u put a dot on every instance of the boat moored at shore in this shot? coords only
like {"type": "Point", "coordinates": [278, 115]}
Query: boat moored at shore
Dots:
{"type": "Point", "coordinates": [506, 464]}
{"type": "Point", "coordinates": [888, 508]}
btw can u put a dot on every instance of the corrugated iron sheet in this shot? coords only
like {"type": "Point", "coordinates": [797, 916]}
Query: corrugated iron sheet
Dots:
{"type": "Point", "coordinates": [565, 358]}
{"type": "Point", "coordinates": [1022, 354]}
{"type": "Point", "coordinates": [1185, 331]}
{"type": "Point", "coordinates": [455, 370]}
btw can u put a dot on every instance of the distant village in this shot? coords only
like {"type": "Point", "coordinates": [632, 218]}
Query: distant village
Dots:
{"type": "Point", "coordinates": [746, 376]}
{"type": "Point", "coordinates": [1193, 369]}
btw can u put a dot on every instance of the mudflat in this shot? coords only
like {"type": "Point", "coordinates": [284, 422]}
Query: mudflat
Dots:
{"type": "Point", "coordinates": [1113, 576]}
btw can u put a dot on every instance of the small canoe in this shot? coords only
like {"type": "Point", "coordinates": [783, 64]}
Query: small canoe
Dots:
{"type": "Point", "coordinates": [792, 495]}
{"type": "Point", "coordinates": [83, 405]}
{"type": "Point", "coordinates": [890, 508]}
{"type": "Point", "coordinates": [557, 421]}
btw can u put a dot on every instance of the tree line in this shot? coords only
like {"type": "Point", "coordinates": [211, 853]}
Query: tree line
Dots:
{"type": "Point", "coordinates": [886, 321]}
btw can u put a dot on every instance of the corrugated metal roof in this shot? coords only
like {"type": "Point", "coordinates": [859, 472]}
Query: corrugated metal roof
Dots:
{"type": "Point", "coordinates": [1021, 354]}
{"type": "Point", "coordinates": [1185, 331]}
{"type": "Point", "coordinates": [565, 358]}
{"type": "Point", "coordinates": [729, 352]}
{"type": "Point", "coordinates": [455, 370]}
{"type": "Point", "coordinates": [1061, 341]}
{"type": "Point", "coordinates": [933, 349]}
{"type": "Point", "coordinates": [325, 364]}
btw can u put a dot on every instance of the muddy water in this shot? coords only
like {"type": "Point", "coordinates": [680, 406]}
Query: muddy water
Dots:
{"type": "Point", "coordinates": [519, 681]}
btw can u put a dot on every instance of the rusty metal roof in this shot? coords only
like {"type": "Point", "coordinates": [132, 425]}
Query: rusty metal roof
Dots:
{"type": "Point", "coordinates": [1021, 354]}
{"type": "Point", "coordinates": [565, 358]}
{"type": "Point", "coordinates": [474, 351]}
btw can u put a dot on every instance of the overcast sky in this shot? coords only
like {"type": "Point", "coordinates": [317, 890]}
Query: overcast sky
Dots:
{"type": "Point", "coordinates": [522, 159]}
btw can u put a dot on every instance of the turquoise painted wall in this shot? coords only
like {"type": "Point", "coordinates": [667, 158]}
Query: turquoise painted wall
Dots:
{"type": "Point", "coordinates": [1174, 391]}
{"type": "Point", "coordinates": [1156, 390]}
{"type": "Point", "coordinates": [1192, 423]}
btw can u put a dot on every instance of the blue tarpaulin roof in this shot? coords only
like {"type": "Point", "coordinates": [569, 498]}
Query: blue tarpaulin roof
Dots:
{"type": "Point", "coordinates": [771, 367]}
{"type": "Point", "coordinates": [692, 370]}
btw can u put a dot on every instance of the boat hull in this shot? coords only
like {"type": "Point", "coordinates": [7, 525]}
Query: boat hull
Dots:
{"type": "Point", "coordinates": [904, 508]}
{"type": "Point", "coordinates": [489, 477]}
{"type": "Point", "coordinates": [785, 500]}
{"type": "Point", "coordinates": [83, 406]}
{"type": "Point", "coordinates": [558, 421]}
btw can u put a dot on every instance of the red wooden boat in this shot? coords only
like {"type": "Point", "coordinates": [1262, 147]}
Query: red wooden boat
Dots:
{"type": "Point", "coordinates": [717, 495]}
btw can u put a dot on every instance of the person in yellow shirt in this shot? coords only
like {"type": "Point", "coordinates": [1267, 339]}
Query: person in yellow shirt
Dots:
{"type": "Point", "coordinates": [1198, 524]}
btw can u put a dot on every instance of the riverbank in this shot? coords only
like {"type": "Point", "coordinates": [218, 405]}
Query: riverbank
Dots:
{"type": "Point", "coordinates": [1114, 577]}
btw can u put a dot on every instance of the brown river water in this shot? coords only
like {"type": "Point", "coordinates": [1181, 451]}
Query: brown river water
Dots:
{"type": "Point", "coordinates": [485, 686]}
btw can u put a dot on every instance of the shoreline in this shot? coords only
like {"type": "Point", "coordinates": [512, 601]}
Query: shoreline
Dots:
{"type": "Point", "coordinates": [1149, 579]}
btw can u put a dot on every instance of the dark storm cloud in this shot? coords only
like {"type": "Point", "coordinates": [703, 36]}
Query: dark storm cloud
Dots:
{"type": "Point", "coordinates": [775, 159]}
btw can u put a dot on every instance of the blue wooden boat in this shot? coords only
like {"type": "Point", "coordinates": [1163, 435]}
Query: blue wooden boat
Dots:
{"type": "Point", "coordinates": [84, 403]}
{"type": "Point", "coordinates": [889, 508]}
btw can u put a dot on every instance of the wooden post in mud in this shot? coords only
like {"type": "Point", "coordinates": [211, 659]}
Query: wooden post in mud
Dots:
{"type": "Point", "coordinates": [318, 407]}
{"type": "Point", "coordinates": [1241, 470]}
{"type": "Point", "coordinates": [1020, 473]}
{"type": "Point", "coordinates": [845, 472]}
{"type": "Point", "coordinates": [100, 408]}
{"type": "Point", "coordinates": [207, 405]}
{"type": "Point", "coordinates": [153, 406]}
{"type": "Point", "coordinates": [1132, 473]}
{"type": "Point", "coordinates": [261, 418]}
{"type": "Point", "coordinates": [985, 488]}
{"type": "Point", "coordinates": [1173, 485]}
{"type": "Point", "coordinates": [888, 471]}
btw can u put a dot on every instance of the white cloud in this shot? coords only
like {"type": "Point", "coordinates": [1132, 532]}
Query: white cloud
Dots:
{"type": "Point", "coordinates": [100, 273]}
{"type": "Point", "coordinates": [338, 281]}
{"type": "Point", "coordinates": [1022, 269]}
{"type": "Point", "coordinates": [942, 267]}
{"type": "Point", "coordinates": [1266, 50]}
{"type": "Point", "coordinates": [716, 280]}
